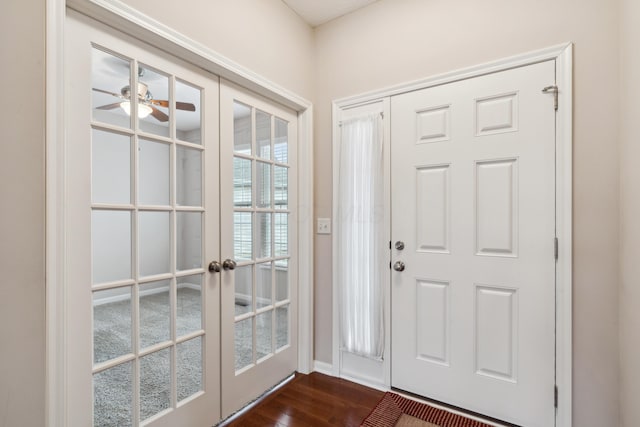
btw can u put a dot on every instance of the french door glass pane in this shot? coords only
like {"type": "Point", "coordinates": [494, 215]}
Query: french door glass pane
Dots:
{"type": "Point", "coordinates": [281, 184]}
{"type": "Point", "coordinates": [154, 312]}
{"type": "Point", "coordinates": [263, 134]}
{"type": "Point", "coordinates": [110, 245]}
{"type": "Point", "coordinates": [154, 242]}
{"type": "Point", "coordinates": [110, 77]}
{"type": "Point", "coordinates": [244, 343]}
{"type": "Point", "coordinates": [155, 383]}
{"type": "Point", "coordinates": [153, 173]}
{"type": "Point", "coordinates": [189, 367]}
{"type": "Point", "coordinates": [281, 234]}
{"type": "Point", "coordinates": [282, 280]}
{"type": "Point", "coordinates": [110, 167]}
{"type": "Point", "coordinates": [263, 184]}
{"type": "Point", "coordinates": [263, 285]}
{"type": "Point", "coordinates": [112, 323]}
{"type": "Point", "coordinates": [242, 236]}
{"type": "Point", "coordinates": [264, 326]}
{"type": "Point", "coordinates": [242, 128]}
{"type": "Point", "coordinates": [188, 113]}
{"type": "Point", "coordinates": [113, 396]}
{"type": "Point", "coordinates": [189, 240]}
{"type": "Point", "coordinates": [264, 235]}
{"type": "Point", "coordinates": [281, 141]}
{"type": "Point", "coordinates": [153, 113]}
{"type": "Point", "coordinates": [243, 289]}
{"type": "Point", "coordinates": [188, 177]}
{"type": "Point", "coordinates": [241, 183]}
{"type": "Point", "coordinates": [282, 326]}
{"type": "Point", "coordinates": [189, 305]}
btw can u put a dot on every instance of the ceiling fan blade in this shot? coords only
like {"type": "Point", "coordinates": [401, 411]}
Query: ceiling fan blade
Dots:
{"type": "Point", "coordinates": [117, 95]}
{"type": "Point", "coordinates": [160, 102]}
{"type": "Point", "coordinates": [109, 106]}
{"type": "Point", "coordinates": [159, 115]}
{"type": "Point", "coordinates": [186, 106]}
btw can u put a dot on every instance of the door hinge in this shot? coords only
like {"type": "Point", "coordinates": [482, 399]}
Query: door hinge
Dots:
{"type": "Point", "coordinates": [555, 248]}
{"type": "Point", "coordinates": [554, 90]}
{"type": "Point", "coordinates": [555, 397]}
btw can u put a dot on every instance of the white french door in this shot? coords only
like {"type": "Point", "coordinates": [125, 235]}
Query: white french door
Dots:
{"type": "Point", "coordinates": [473, 285]}
{"type": "Point", "coordinates": [142, 223]}
{"type": "Point", "coordinates": [258, 235]}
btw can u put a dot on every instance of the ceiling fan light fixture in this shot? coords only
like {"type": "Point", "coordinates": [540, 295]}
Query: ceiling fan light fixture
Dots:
{"type": "Point", "coordinates": [143, 109]}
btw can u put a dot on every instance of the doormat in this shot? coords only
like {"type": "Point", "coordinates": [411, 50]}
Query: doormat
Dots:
{"type": "Point", "coordinates": [394, 410]}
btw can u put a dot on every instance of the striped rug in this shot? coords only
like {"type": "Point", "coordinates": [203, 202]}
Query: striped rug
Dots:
{"type": "Point", "coordinates": [395, 410]}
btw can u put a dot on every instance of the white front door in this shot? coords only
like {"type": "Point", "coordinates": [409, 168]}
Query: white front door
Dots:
{"type": "Point", "coordinates": [473, 200]}
{"type": "Point", "coordinates": [258, 234]}
{"type": "Point", "coordinates": [142, 224]}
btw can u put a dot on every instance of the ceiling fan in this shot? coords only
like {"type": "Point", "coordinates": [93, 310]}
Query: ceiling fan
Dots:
{"type": "Point", "coordinates": [146, 103]}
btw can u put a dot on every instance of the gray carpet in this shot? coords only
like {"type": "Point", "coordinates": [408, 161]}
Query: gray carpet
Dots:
{"type": "Point", "coordinates": [113, 388]}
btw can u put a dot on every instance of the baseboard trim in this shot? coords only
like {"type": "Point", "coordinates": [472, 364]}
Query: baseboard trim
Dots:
{"type": "Point", "coordinates": [125, 297]}
{"type": "Point", "coordinates": [365, 382]}
{"type": "Point", "coordinates": [323, 368]}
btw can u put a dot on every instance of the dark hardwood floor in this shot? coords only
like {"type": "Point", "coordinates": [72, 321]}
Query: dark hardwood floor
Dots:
{"type": "Point", "coordinates": [313, 400]}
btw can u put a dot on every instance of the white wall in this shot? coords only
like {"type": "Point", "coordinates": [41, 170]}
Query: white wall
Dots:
{"type": "Point", "coordinates": [629, 214]}
{"type": "Point", "coordinates": [22, 217]}
{"type": "Point", "coordinates": [393, 41]}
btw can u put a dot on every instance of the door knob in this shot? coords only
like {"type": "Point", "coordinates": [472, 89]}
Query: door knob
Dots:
{"type": "Point", "coordinates": [398, 266]}
{"type": "Point", "coordinates": [214, 267]}
{"type": "Point", "coordinates": [229, 264]}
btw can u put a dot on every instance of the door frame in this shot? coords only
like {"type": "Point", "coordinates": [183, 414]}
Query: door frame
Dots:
{"type": "Point", "coordinates": [562, 54]}
{"type": "Point", "coordinates": [134, 23]}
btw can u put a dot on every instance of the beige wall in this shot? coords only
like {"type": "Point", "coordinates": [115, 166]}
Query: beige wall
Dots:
{"type": "Point", "coordinates": [264, 36]}
{"type": "Point", "coordinates": [22, 327]}
{"type": "Point", "coordinates": [393, 41]}
{"type": "Point", "coordinates": [390, 42]}
{"type": "Point", "coordinates": [629, 214]}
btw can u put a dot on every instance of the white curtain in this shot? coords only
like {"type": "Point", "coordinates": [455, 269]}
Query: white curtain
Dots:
{"type": "Point", "coordinates": [360, 218]}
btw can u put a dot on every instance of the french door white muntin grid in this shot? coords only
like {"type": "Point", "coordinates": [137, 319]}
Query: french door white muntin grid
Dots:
{"type": "Point", "coordinates": [173, 275]}
{"type": "Point", "coordinates": [256, 237]}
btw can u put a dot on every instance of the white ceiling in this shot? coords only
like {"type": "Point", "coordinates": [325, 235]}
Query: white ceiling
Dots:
{"type": "Point", "coordinates": [317, 12]}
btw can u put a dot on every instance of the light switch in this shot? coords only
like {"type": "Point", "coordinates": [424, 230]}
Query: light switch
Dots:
{"type": "Point", "coordinates": [324, 226]}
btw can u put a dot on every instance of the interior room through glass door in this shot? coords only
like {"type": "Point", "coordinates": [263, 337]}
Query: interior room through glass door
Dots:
{"type": "Point", "coordinates": [259, 234]}
{"type": "Point", "coordinates": [142, 226]}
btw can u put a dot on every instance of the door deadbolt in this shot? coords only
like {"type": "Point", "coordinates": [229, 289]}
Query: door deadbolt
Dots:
{"type": "Point", "coordinates": [399, 245]}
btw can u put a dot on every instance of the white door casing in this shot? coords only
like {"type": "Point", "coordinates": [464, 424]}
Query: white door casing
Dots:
{"type": "Point", "coordinates": [259, 229]}
{"type": "Point", "coordinates": [473, 199]}
{"type": "Point", "coordinates": [189, 243]}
